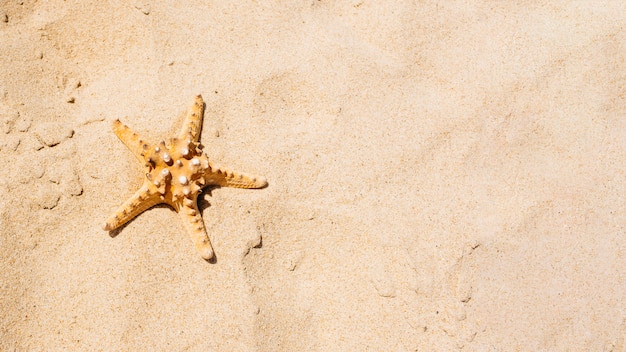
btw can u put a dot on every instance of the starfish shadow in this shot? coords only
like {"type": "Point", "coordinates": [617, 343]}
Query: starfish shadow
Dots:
{"type": "Point", "coordinates": [203, 203]}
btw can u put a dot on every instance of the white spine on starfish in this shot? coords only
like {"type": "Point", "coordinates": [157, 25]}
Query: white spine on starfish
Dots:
{"type": "Point", "coordinates": [188, 202]}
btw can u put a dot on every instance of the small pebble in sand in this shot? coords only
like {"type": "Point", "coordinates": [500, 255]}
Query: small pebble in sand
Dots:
{"type": "Point", "coordinates": [4, 17]}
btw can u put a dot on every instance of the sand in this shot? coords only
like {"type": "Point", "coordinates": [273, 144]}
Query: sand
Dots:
{"type": "Point", "coordinates": [442, 176]}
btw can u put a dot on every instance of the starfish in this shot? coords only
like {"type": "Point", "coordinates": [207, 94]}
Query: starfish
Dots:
{"type": "Point", "coordinates": [176, 171]}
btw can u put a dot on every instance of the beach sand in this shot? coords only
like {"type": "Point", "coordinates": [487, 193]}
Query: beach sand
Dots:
{"type": "Point", "coordinates": [442, 176]}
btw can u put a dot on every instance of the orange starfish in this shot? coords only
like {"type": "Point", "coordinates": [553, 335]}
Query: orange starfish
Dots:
{"type": "Point", "coordinates": [176, 172]}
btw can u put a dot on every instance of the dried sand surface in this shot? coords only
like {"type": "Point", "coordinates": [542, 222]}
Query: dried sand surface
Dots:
{"type": "Point", "coordinates": [442, 176]}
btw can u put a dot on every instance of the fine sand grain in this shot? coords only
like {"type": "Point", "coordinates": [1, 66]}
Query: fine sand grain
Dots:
{"type": "Point", "coordinates": [442, 175]}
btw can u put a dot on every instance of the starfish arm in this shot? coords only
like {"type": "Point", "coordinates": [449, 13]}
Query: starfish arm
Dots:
{"type": "Point", "coordinates": [192, 125]}
{"type": "Point", "coordinates": [132, 140]}
{"type": "Point", "coordinates": [142, 200]}
{"type": "Point", "coordinates": [194, 225]}
{"type": "Point", "coordinates": [224, 177]}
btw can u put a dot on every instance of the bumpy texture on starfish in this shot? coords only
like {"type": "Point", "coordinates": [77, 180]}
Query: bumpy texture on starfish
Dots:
{"type": "Point", "coordinates": [176, 172]}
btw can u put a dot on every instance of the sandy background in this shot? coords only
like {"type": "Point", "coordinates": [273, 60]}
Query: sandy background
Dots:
{"type": "Point", "coordinates": [443, 176]}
